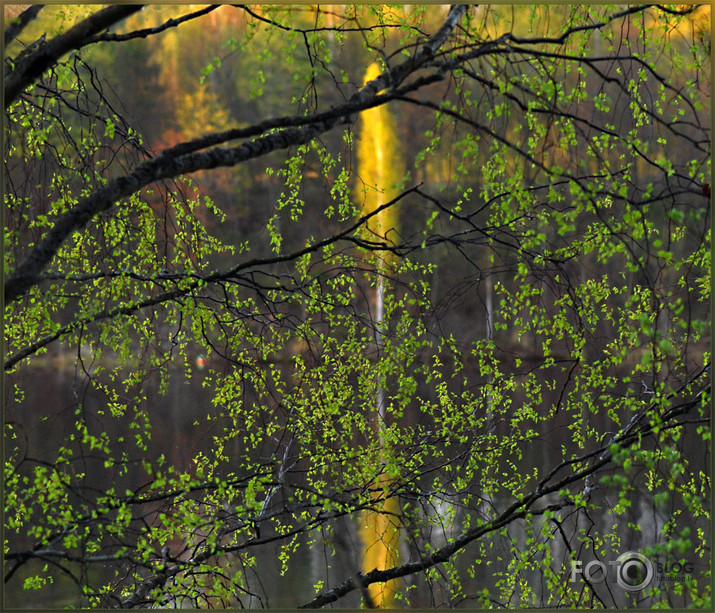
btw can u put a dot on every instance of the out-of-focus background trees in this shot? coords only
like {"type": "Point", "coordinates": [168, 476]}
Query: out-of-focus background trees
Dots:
{"type": "Point", "coordinates": [238, 383]}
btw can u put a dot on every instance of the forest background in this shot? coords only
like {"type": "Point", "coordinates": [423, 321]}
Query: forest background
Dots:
{"type": "Point", "coordinates": [375, 305]}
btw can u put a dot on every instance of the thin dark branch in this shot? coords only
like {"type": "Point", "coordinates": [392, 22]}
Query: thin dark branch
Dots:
{"type": "Point", "coordinates": [31, 67]}
{"type": "Point", "coordinates": [286, 28]}
{"type": "Point", "coordinates": [198, 281]}
{"type": "Point", "coordinates": [175, 162]}
{"type": "Point", "coordinates": [146, 32]}
{"type": "Point", "coordinates": [559, 40]}
{"type": "Point", "coordinates": [519, 509]}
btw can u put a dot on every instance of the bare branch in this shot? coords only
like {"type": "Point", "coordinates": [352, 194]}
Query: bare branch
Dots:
{"type": "Point", "coordinates": [146, 32]}
{"type": "Point", "coordinates": [559, 40]}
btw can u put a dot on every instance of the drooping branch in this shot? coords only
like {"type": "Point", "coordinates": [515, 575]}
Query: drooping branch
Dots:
{"type": "Point", "coordinates": [53, 550]}
{"type": "Point", "coordinates": [32, 66]}
{"type": "Point", "coordinates": [517, 510]}
{"type": "Point", "coordinates": [347, 234]}
{"type": "Point", "coordinates": [251, 315]}
{"type": "Point", "coordinates": [185, 159]}
{"type": "Point", "coordinates": [271, 135]}
{"type": "Point", "coordinates": [591, 463]}
{"type": "Point", "coordinates": [561, 39]}
{"type": "Point", "coordinates": [535, 503]}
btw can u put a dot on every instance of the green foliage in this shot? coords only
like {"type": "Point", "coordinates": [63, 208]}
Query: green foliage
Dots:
{"type": "Point", "coordinates": [538, 352]}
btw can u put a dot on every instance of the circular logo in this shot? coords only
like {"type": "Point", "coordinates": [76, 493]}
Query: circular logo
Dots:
{"type": "Point", "coordinates": [633, 571]}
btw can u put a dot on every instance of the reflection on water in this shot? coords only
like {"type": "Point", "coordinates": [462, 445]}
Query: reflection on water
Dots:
{"type": "Point", "coordinates": [46, 416]}
{"type": "Point", "coordinates": [380, 537]}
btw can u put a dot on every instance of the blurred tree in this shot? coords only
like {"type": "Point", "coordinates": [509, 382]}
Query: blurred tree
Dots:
{"type": "Point", "coordinates": [192, 269]}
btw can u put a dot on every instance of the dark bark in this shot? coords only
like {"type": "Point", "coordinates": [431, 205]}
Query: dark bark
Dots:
{"type": "Point", "coordinates": [18, 24]}
{"type": "Point", "coordinates": [146, 32]}
{"type": "Point", "coordinates": [32, 66]}
{"type": "Point", "coordinates": [184, 159]}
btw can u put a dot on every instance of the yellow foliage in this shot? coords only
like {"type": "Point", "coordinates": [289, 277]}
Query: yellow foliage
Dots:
{"type": "Point", "coordinates": [201, 112]}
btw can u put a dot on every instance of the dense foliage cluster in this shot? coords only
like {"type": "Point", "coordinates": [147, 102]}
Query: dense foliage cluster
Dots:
{"type": "Point", "coordinates": [400, 306]}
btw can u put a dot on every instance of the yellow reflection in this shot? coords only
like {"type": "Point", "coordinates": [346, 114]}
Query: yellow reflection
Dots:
{"type": "Point", "coordinates": [380, 165]}
{"type": "Point", "coordinates": [380, 534]}
{"type": "Point", "coordinates": [381, 169]}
